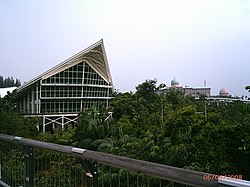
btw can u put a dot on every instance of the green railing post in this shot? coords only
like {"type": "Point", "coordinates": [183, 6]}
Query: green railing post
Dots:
{"type": "Point", "coordinates": [30, 166]}
{"type": "Point", "coordinates": [91, 172]}
{"type": "Point", "coordinates": [171, 184]}
{"type": "Point", "coordinates": [95, 175]}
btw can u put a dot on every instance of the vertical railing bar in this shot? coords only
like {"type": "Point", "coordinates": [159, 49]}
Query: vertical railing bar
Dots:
{"type": "Point", "coordinates": [1, 163]}
{"type": "Point", "coordinates": [48, 174]}
{"type": "Point", "coordinates": [59, 174]}
{"type": "Point", "coordinates": [82, 172]}
{"type": "Point", "coordinates": [3, 166]}
{"type": "Point", "coordinates": [88, 181]}
{"type": "Point", "coordinates": [64, 166]}
{"type": "Point", "coordinates": [110, 178]}
{"type": "Point", "coordinates": [2, 160]}
{"type": "Point", "coordinates": [95, 174]}
{"type": "Point", "coordinates": [66, 179]}
{"type": "Point", "coordinates": [74, 176]}
{"type": "Point", "coordinates": [119, 179]}
{"type": "Point", "coordinates": [137, 179]}
{"type": "Point", "coordinates": [51, 176]}
{"type": "Point", "coordinates": [68, 166]}
{"type": "Point", "coordinates": [29, 160]}
{"type": "Point", "coordinates": [34, 171]}
{"type": "Point", "coordinates": [37, 170]}
{"type": "Point", "coordinates": [10, 166]}
{"type": "Point", "coordinates": [43, 168]}
{"type": "Point", "coordinates": [6, 169]}
{"type": "Point", "coordinates": [22, 171]}
{"type": "Point", "coordinates": [15, 171]}
{"type": "Point", "coordinates": [55, 173]}
{"type": "Point", "coordinates": [16, 165]}
{"type": "Point", "coordinates": [39, 162]}
{"type": "Point", "coordinates": [53, 179]}
{"type": "Point", "coordinates": [127, 180]}
{"type": "Point", "coordinates": [17, 175]}
{"type": "Point", "coordinates": [10, 170]}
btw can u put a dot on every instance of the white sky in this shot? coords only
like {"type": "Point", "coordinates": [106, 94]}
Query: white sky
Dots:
{"type": "Point", "coordinates": [193, 40]}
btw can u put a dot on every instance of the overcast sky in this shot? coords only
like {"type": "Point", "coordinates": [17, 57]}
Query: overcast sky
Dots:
{"type": "Point", "coordinates": [192, 40]}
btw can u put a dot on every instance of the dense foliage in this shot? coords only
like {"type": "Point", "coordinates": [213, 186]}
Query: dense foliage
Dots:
{"type": "Point", "coordinates": [247, 88]}
{"type": "Point", "coordinates": [168, 128]}
{"type": "Point", "coordinates": [9, 82]}
{"type": "Point", "coordinates": [12, 123]}
{"type": "Point", "coordinates": [176, 130]}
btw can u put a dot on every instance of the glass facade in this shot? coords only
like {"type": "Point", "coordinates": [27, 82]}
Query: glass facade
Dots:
{"type": "Point", "coordinates": [74, 89]}
{"type": "Point", "coordinates": [81, 73]}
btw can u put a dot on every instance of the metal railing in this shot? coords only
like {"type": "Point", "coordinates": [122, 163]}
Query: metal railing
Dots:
{"type": "Point", "coordinates": [79, 167]}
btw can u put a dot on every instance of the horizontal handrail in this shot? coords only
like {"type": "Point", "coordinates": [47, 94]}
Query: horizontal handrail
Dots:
{"type": "Point", "coordinates": [4, 184]}
{"type": "Point", "coordinates": [174, 174]}
{"type": "Point", "coordinates": [238, 183]}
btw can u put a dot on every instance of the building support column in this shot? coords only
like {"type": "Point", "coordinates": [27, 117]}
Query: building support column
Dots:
{"type": "Point", "coordinates": [44, 119]}
{"type": "Point", "coordinates": [62, 122]}
{"type": "Point", "coordinates": [32, 101]}
{"type": "Point", "coordinates": [37, 100]}
{"type": "Point", "coordinates": [24, 105]}
{"type": "Point", "coordinates": [28, 103]}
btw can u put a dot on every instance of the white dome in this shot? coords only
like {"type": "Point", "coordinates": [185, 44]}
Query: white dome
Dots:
{"type": "Point", "coordinates": [174, 82]}
{"type": "Point", "coordinates": [224, 92]}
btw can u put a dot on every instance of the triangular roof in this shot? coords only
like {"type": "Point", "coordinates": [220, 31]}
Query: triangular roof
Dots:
{"type": "Point", "coordinates": [96, 57]}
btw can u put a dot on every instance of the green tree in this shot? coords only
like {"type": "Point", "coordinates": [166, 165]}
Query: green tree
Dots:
{"type": "Point", "coordinates": [9, 103]}
{"type": "Point", "coordinates": [147, 90]}
{"type": "Point", "coordinates": [9, 82]}
{"type": "Point", "coordinates": [93, 126]}
{"type": "Point", "coordinates": [247, 88]}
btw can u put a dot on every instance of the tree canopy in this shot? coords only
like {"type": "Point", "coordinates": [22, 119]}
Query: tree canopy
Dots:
{"type": "Point", "coordinates": [247, 88]}
{"type": "Point", "coordinates": [9, 82]}
{"type": "Point", "coordinates": [167, 128]}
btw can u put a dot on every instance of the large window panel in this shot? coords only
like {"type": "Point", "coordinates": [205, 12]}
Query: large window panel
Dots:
{"type": "Point", "coordinates": [68, 76]}
{"type": "Point", "coordinates": [92, 77]}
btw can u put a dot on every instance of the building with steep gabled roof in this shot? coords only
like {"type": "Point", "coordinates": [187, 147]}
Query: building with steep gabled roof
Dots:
{"type": "Point", "coordinates": [80, 83]}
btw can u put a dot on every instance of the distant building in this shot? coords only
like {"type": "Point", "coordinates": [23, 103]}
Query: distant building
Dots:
{"type": "Point", "coordinates": [225, 98]}
{"type": "Point", "coordinates": [79, 83]}
{"type": "Point", "coordinates": [191, 91]}
{"type": "Point", "coordinates": [224, 92]}
{"type": "Point", "coordinates": [175, 83]}
{"type": "Point", "coordinates": [197, 91]}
